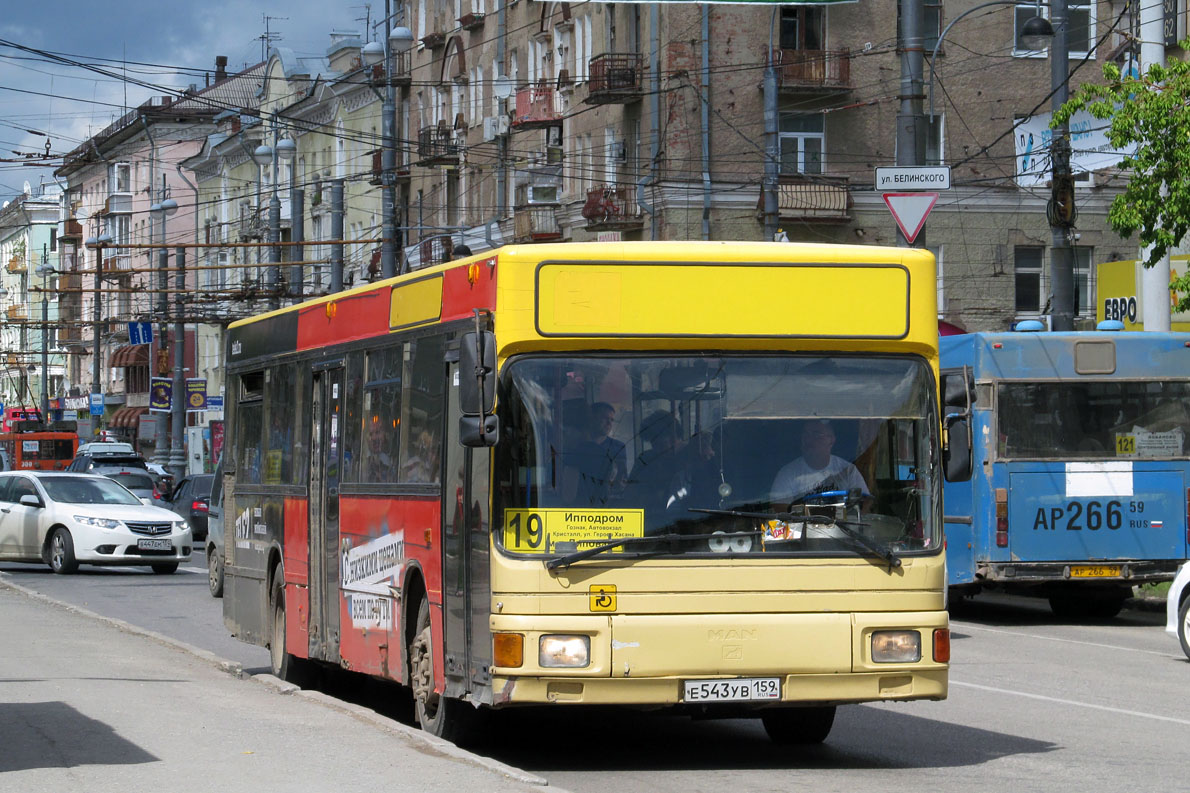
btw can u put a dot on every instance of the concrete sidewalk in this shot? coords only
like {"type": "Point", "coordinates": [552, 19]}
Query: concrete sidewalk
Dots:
{"type": "Point", "coordinates": [92, 704]}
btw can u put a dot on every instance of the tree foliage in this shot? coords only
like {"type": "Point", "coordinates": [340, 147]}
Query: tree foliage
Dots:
{"type": "Point", "coordinates": [1151, 114]}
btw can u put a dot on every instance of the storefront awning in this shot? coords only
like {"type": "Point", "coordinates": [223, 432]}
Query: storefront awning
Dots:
{"type": "Point", "coordinates": [127, 417]}
{"type": "Point", "coordinates": [130, 355]}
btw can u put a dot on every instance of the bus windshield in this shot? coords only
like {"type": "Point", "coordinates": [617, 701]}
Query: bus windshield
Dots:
{"type": "Point", "coordinates": [1093, 419]}
{"type": "Point", "coordinates": [734, 455]}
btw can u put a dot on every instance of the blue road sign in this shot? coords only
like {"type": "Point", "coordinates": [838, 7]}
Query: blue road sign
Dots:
{"type": "Point", "coordinates": [140, 333]}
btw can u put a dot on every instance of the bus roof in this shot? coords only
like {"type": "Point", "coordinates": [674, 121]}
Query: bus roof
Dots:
{"type": "Point", "coordinates": [1046, 354]}
{"type": "Point", "coordinates": [631, 290]}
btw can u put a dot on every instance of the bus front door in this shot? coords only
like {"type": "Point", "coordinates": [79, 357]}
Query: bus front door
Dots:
{"type": "Point", "coordinates": [466, 581]}
{"type": "Point", "coordinates": [326, 463]}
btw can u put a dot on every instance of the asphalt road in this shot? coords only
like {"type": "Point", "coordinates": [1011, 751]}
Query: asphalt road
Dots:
{"type": "Point", "coordinates": [1036, 703]}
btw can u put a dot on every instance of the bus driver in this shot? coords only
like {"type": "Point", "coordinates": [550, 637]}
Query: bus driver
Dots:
{"type": "Point", "coordinates": [817, 470]}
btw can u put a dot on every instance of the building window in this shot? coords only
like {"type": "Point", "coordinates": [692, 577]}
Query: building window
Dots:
{"type": "Point", "coordinates": [1084, 283]}
{"type": "Point", "coordinates": [937, 251]}
{"type": "Point", "coordinates": [931, 23]}
{"type": "Point", "coordinates": [802, 141]}
{"type": "Point", "coordinates": [1027, 261]}
{"type": "Point", "coordinates": [935, 150]}
{"type": "Point", "coordinates": [802, 28]}
{"type": "Point", "coordinates": [120, 177]}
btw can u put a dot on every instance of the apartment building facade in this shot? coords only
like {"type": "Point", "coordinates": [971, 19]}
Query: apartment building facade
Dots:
{"type": "Point", "coordinates": [531, 121]}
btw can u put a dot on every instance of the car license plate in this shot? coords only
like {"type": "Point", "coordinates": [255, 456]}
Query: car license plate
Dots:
{"type": "Point", "coordinates": [741, 689]}
{"type": "Point", "coordinates": [1095, 571]}
{"type": "Point", "coordinates": [154, 545]}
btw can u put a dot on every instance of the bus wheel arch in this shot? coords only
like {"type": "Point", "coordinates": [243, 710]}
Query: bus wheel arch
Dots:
{"type": "Point", "coordinates": [285, 665]}
{"type": "Point", "coordinates": [436, 713]}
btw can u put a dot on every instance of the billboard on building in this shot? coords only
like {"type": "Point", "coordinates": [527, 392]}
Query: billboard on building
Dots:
{"type": "Point", "coordinates": [1120, 295]}
{"type": "Point", "coordinates": [1090, 149]}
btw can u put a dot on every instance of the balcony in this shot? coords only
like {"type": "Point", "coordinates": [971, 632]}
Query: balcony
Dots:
{"type": "Point", "coordinates": [71, 230]}
{"type": "Point", "coordinates": [613, 207]}
{"type": "Point", "coordinates": [615, 78]}
{"type": "Point", "coordinates": [401, 71]}
{"type": "Point", "coordinates": [17, 264]}
{"type": "Point", "coordinates": [471, 21]}
{"type": "Point", "coordinates": [438, 145]}
{"type": "Point", "coordinates": [18, 312]}
{"type": "Point", "coordinates": [813, 71]}
{"type": "Point", "coordinates": [535, 224]}
{"type": "Point", "coordinates": [400, 169]}
{"type": "Point", "coordinates": [435, 250]}
{"type": "Point", "coordinates": [432, 40]}
{"type": "Point", "coordinates": [809, 197]}
{"type": "Point", "coordinates": [537, 106]}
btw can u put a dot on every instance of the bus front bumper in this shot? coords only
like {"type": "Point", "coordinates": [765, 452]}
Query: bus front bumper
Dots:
{"type": "Point", "coordinates": [821, 689]}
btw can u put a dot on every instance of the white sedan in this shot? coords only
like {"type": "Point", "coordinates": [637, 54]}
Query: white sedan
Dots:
{"type": "Point", "coordinates": [63, 519]}
{"type": "Point", "coordinates": [1177, 608]}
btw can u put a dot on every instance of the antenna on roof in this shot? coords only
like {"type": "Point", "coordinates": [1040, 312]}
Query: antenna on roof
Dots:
{"type": "Point", "coordinates": [268, 37]}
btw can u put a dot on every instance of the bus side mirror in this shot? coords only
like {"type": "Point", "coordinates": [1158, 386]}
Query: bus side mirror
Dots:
{"type": "Point", "coordinates": [956, 455]}
{"type": "Point", "coordinates": [478, 431]}
{"type": "Point", "coordinates": [477, 373]}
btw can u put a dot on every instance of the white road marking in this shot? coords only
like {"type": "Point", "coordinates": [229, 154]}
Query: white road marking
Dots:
{"type": "Point", "coordinates": [974, 627]}
{"type": "Point", "coordinates": [202, 570]}
{"type": "Point", "coordinates": [1075, 703]}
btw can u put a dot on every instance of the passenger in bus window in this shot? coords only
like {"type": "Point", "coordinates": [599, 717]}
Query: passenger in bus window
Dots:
{"type": "Point", "coordinates": [612, 461]}
{"type": "Point", "coordinates": [817, 470]}
{"type": "Point", "coordinates": [423, 465]}
{"type": "Point", "coordinates": [380, 465]}
{"type": "Point", "coordinates": [656, 472]}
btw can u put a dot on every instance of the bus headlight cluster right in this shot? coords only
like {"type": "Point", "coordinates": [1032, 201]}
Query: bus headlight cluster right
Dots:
{"type": "Point", "coordinates": [896, 647]}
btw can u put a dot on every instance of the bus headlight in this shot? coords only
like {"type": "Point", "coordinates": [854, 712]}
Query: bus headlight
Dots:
{"type": "Point", "coordinates": [896, 647]}
{"type": "Point", "coordinates": [564, 650]}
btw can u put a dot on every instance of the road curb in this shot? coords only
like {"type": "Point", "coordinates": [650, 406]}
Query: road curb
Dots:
{"type": "Point", "coordinates": [440, 746]}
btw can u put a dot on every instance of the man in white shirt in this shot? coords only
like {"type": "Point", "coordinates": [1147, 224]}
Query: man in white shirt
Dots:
{"type": "Point", "coordinates": [817, 470]}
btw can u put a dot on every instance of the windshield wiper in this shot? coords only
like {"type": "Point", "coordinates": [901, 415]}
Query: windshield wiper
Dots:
{"type": "Point", "coordinates": [883, 551]}
{"type": "Point", "coordinates": [674, 540]}
{"type": "Point", "coordinates": [857, 538]}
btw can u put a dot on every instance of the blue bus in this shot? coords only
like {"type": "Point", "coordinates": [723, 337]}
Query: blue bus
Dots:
{"type": "Point", "coordinates": [1081, 464]}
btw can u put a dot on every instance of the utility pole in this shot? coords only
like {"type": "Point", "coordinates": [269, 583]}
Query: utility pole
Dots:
{"type": "Point", "coordinates": [911, 139]}
{"type": "Point", "coordinates": [44, 271]}
{"type": "Point", "coordinates": [772, 150]}
{"type": "Point", "coordinates": [1155, 298]}
{"type": "Point", "coordinates": [177, 453]}
{"type": "Point", "coordinates": [388, 159]}
{"type": "Point", "coordinates": [337, 234]}
{"type": "Point", "coordinates": [161, 210]}
{"type": "Point", "coordinates": [1061, 212]}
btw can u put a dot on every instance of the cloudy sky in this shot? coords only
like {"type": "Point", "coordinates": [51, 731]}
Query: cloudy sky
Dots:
{"type": "Point", "coordinates": [167, 44]}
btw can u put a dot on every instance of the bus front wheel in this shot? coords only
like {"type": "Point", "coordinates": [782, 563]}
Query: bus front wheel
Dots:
{"type": "Point", "coordinates": [794, 726]}
{"type": "Point", "coordinates": [437, 714]}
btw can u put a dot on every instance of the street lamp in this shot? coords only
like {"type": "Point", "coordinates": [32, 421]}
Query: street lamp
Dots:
{"type": "Point", "coordinates": [97, 244]}
{"type": "Point", "coordinates": [1036, 34]}
{"type": "Point", "coordinates": [282, 149]}
{"type": "Point", "coordinates": [399, 39]}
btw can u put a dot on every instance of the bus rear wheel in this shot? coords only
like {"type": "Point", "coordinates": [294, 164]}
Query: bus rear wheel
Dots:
{"type": "Point", "coordinates": [798, 726]}
{"type": "Point", "coordinates": [297, 671]}
{"type": "Point", "coordinates": [438, 715]}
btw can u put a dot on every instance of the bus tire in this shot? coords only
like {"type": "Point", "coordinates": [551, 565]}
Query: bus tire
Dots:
{"type": "Point", "coordinates": [438, 715]}
{"type": "Point", "coordinates": [62, 559]}
{"type": "Point", "coordinates": [297, 671]}
{"type": "Point", "coordinates": [798, 726]}
{"type": "Point", "coordinates": [1184, 625]}
{"type": "Point", "coordinates": [214, 571]}
{"type": "Point", "coordinates": [165, 568]}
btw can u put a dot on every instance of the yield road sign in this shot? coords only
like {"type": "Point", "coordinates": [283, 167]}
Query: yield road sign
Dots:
{"type": "Point", "coordinates": [913, 177]}
{"type": "Point", "coordinates": [909, 210]}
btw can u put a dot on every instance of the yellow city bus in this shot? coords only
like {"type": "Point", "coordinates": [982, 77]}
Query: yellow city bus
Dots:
{"type": "Point", "coordinates": [694, 475]}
